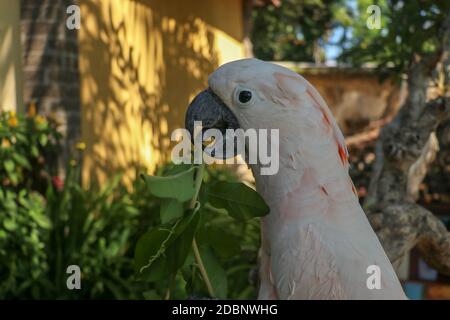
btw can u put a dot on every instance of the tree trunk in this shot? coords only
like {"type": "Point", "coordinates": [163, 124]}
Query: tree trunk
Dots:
{"type": "Point", "coordinates": [404, 151]}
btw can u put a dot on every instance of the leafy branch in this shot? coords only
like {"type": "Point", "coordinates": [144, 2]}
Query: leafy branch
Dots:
{"type": "Point", "coordinates": [187, 237]}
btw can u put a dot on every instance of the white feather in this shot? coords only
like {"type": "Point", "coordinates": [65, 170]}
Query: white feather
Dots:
{"type": "Point", "coordinates": [317, 242]}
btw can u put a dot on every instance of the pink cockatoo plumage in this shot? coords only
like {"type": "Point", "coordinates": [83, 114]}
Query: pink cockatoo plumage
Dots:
{"type": "Point", "coordinates": [316, 241]}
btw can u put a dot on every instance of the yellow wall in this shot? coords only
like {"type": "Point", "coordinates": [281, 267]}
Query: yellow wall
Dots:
{"type": "Point", "coordinates": [140, 64]}
{"type": "Point", "coordinates": [10, 56]}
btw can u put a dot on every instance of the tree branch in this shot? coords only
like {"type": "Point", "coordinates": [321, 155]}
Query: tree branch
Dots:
{"type": "Point", "coordinates": [404, 151]}
{"type": "Point", "coordinates": [401, 145]}
{"type": "Point", "coordinates": [434, 242]}
{"type": "Point", "coordinates": [402, 226]}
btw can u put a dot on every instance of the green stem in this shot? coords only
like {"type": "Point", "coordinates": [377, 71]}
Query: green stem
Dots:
{"type": "Point", "coordinates": [198, 184]}
{"type": "Point", "coordinates": [213, 209]}
{"type": "Point", "coordinates": [171, 283]}
{"type": "Point", "coordinates": [202, 268]}
{"type": "Point", "coordinates": [198, 258]}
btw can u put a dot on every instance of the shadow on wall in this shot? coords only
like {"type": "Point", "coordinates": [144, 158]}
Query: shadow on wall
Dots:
{"type": "Point", "coordinates": [140, 64]}
{"type": "Point", "coordinates": [10, 62]}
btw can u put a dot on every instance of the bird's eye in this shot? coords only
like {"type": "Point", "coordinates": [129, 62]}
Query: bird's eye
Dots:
{"type": "Point", "coordinates": [244, 96]}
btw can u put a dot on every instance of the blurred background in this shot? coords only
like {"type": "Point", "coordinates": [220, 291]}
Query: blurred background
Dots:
{"type": "Point", "coordinates": [85, 110]}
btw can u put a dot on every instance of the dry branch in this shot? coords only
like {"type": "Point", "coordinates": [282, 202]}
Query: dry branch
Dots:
{"type": "Point", "coordinates": [404, 151]}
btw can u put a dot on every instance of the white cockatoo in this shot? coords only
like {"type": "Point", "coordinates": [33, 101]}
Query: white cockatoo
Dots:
{"type": "Point", "coordinates": [316, 241]}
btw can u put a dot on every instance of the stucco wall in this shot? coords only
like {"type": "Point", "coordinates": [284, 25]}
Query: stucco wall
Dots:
{"type": "Point", "coordinates": [355, 96]}
{"type": "Point", "coordinates": [10, 56]}
{"type": "Point", "coordinates": [356, 100]}
{"type": "Point", "coordinates": [140, 64]}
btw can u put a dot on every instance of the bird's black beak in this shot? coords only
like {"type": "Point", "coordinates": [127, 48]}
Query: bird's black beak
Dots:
{"type": "Point", "coordinates": [208, 108]}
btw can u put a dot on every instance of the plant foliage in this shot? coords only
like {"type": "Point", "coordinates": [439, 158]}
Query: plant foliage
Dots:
{"type": "Point", "coordinates": [220, 220]}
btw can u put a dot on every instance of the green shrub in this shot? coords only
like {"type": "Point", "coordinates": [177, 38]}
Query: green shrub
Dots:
{"type": "Point", "coordinates": [24, 233]}
{"type": "Point", "coordinates": [48, 223]}
{"type": "Point", "coordinates": [94, 230]}
{"type": "Point", "coordinates": [28, 145]}
{"type": "Point", "coordinates": [40, 238]}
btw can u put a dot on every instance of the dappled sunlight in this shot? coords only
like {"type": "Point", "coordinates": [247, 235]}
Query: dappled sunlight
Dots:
{"type": "Point", "coordinates": [140, 63]}
{"type": "Point", "coordinates": [10, 65]}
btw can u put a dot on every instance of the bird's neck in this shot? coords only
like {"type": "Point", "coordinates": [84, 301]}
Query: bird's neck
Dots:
{"type": "Point", "coordinates": [300, 187]}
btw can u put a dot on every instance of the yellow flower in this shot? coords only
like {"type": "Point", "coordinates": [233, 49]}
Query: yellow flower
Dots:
{"type": "Point", "coordinates": [80, 145]}
{"type": "Point", "coordinates": [40, 120]}
{"type": "Point", "coordinates": [5, 143]}
{"type": "Point", "coordinates": [12, 122]}
{"type": "Point", "coordinates": [73, 163]}
{"type": "Point", "coordinates": [32, 110]}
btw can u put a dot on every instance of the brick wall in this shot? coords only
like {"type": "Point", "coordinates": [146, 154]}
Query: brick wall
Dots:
{"type": "Point", "coordinates": [50, 64]}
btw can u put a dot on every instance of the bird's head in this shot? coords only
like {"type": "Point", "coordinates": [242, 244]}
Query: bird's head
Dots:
{"type": "Point", "coordinates": [241, 94]}
{"type": "Point", "coordinates": [251, 93]}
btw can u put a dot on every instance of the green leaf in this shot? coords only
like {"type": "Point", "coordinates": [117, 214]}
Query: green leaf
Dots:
{"type": "Point", "coordinates": [241, 201]}
{"type": "Point", "coordinates": [43, 139]}
{"type": "Point", "coordinates": [179, 186]}
{"type": "Point", "coordinates": [179, 250]}
{"type": "Point", "coordinates": [173, 169]}
{"type": "Point", "coordinates": [14, 178]}
{"type": "Point", "coordinates": [170, 209]}
{"type": "Point", "coordinates": [164, 249]}
{"type": "Point", "coordinates": [224, 243]}
{"type": "Point", "coordinates": [148, 247]}
{"type": "Point", "coordinates": [21, 160]}
{"type": "Point", "coordinates": [9, 165]}
{"type": "Point", "coordinates": [42, 220]}
{"type": "Point", "coordinates": [178, 290]}
{"type": "Point", "coordinates": [151, 295]}
{"type": "Point", "coordinates": [216, 272]}
{"type": "Point", "coordinates": [34, 151]}
{"type": "Point", "coordinates": [157, 271]}
{"type": "Point", "coordinates": [9, 224]}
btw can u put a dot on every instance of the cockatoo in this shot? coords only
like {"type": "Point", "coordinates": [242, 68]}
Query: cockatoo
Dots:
{"type": "Point", "coordinates": [316, 241]}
